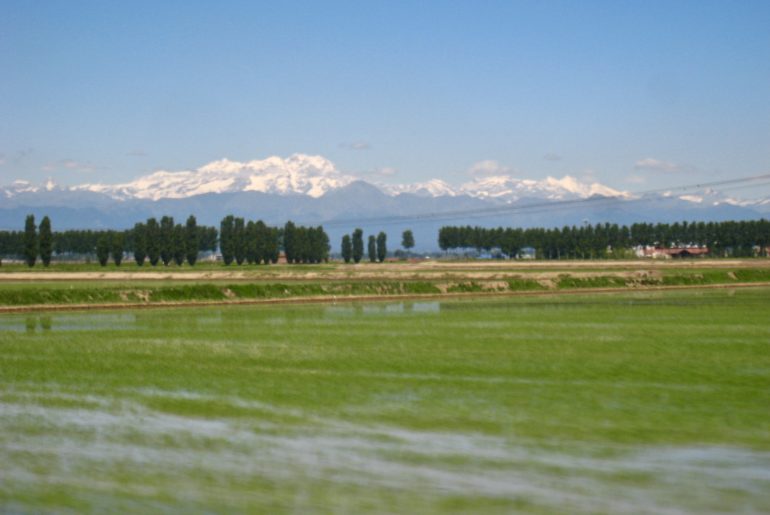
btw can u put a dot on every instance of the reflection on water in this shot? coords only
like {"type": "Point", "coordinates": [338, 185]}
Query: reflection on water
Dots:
{"type": "Point", "coordinates": [32, 324]}
{"type": "Point", "coordinates": [210, 318]}
{"type": "Point", "coordinates": [393, 308]}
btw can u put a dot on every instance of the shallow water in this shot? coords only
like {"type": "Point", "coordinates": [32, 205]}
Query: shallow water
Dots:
{"type": "Point", "coordinates": [107, 441]}
{"type": "Point", "coordinates": [213, 316]}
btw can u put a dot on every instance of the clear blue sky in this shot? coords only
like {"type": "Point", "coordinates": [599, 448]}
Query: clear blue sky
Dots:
{"type": "Point", "coordinates": [635, 94]}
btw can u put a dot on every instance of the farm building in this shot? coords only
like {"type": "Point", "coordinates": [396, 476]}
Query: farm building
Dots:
{"type": "Point", "coordinates": [672, 253]}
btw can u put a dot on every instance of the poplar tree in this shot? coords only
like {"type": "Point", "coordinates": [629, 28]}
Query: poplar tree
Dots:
{"type": "Point", "coordinates": [407, 240]}
{"type": "Point", "coordinates": [30, 241]}
{"type": "Point", "coordinates": [239, 240]}
{"type": "Point", "coordinates": [140, 243]}
{"type": "Point", "coordinates": [274, 245]}
{"type": "Point", "coordinates": [372, 248]}
{"type": "Point", "coordinates": [103, 248]}
{"type": "Point", "coordinates": [117, 248]}
{"type": "Point", "coordinates": [166, 239]}
{"type": "Point", "coordinates": [178, 245]}
{"type": "Point", "coordinates": [358, 245]}
{"type": "Point", "coordinates": [226, 243]}
{"type": "Point", "coordinates": [262, 245]}
{"type": "Point", "coordinates": [322, 244]}
{"type": "Point", "coordinates": [290, 243]}
{"type": "Point", "coordinates": [382, 250]}
{"type": "Point", "coordinates": [347, 248]}
{"type": "Point", "coordinates": [153, 241]}
{"type": "Point", "coordinates": [46, 241]}
{"type": "Point", "coordinates": [192, 240]}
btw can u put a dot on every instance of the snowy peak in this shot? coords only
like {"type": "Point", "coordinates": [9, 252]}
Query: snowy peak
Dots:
{"type": "Point", "coordinates": [296, 174]}
{"type": "Point", "coordinates": [314, 176]}
{"type": "Point", "coordinates": [712, 197]}
{"type": "Point", "coordinates": [302, 174]}
{"type": "Point", "coordinates": [432, 188]}
{"type": "Point", "coordinates": [19, 187]}
{"type": "Point", "coordinates": [509, 189]}
{"type": "Point", "coordinates": [505, 188]}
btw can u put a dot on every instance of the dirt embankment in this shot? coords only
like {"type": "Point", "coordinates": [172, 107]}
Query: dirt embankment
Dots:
{"type": "Point", "coordinates": [330, 299]}
{"type": "Point", "coordinates": [426, 270]}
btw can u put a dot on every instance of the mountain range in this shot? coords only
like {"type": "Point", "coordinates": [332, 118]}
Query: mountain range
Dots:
{"type": "Point", "coordinates": [310, 189]}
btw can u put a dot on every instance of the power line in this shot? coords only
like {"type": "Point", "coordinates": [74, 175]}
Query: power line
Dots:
{"type": "Point", "coordinates": [545, 206]}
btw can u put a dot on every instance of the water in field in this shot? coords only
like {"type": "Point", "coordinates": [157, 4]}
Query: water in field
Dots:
{"type": "Point", "coordinates": [646, 403]}
{"type": "Point", "coordinates": [119, 320]}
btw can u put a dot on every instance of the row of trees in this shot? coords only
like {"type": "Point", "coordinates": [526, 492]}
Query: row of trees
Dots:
{"type": "Point", "coordinates": [742, 238]}
{"type": "Point", "coordinates": [250, 242]}
{"type": "Point", "coordinates": [163, 241]}
{"type": "Point", "coordinates": [31, 243]}
{"type": "Point", "coordinates": [305, 244]}
{"type": "Point", "coordinates": [157, 242]}
{"type": "Point", "coordinates": [151, 241]}
{"type": "Point", "coordinates": [352, 247]}
{"type": "Point", "coordinates": [35, 244]}
{"type": "Point", "coordinates": [255, 242]}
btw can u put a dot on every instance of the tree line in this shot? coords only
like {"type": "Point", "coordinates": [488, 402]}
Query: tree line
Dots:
{"type": "Point", "coordinates": [240, 241]}
{"type": "Point", "coordinates": [152, 241]}
{"type": "Point", "coordinates": [731, 238]}
{"type": "Point", "coordinates": [352, 247]}
{"type": "Point", "coordinates": [164, 242]}
{"type": "Point", "coordinates": [257, 243]}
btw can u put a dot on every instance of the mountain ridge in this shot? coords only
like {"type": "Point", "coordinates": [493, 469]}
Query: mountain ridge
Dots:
{"type": "Point", "coordinates": [310, 190]}
{"type": "Point", "coordinates": [313, 176]}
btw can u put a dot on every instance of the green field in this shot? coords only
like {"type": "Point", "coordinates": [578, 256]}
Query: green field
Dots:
{"type": "Point", "coordinates": [624, 402]}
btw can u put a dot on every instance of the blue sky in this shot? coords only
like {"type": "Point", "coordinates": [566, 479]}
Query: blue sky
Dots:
{"type": "Point", "coordinates": [633, 94]}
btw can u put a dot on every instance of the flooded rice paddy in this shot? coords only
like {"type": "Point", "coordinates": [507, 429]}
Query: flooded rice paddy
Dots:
{"type": "Point", "coordinates": [650, 403]}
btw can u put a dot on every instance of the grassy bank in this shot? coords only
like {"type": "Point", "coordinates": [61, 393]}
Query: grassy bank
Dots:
{"type": "Point", "coordinates": [105, 292]}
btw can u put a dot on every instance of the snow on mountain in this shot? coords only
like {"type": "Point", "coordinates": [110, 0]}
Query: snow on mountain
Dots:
{"type": "Point", "coordinates": [509, 189]}
{"type": "Point", "coordinates": [432, 188]}
{"type": "Point", "coordinates": [17, 187]}
{"type": "Point", "coordinates": [296, 174]}
{"type": "Point", "coordinates": [712, 197]}
{"type": "Point", "coordinates": [314, 176]}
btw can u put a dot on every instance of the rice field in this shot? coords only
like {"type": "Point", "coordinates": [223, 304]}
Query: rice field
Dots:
{"type": "Point", "coordinates": [649, 402]}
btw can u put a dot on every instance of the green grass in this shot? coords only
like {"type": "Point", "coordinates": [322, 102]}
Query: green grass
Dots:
{"type": "Point", "coordinates": [525, 285]}
{"type": "Point", "coordinates": [568, 282]}
{"type": "Point", "coordinates": [751, 275]}
{"type": "Point", "coordinates": [466, 287]}
{"type": "Point", "coordinates": [625, 402]}
{"type": "Point", "coordinates": [95, 292]}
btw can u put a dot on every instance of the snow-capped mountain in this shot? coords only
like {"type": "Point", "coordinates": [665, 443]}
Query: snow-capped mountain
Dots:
{"type": "Point", "coordinates": [307, 176]}
{"type": "Point", "coordinates": [432, 188]}
{"type": "Point", "coordinates": [301, 174]}
{"type": "Point", "coordinates": [18, 187]}
{"type": "Point", "coordinates": [312, 190]}
{"type": "Point", "coordinates": [509, 189]}
{"type": "Point", "coordinates": [296, 174]}
{"type": "Point", "coordinates": [712, 197]}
